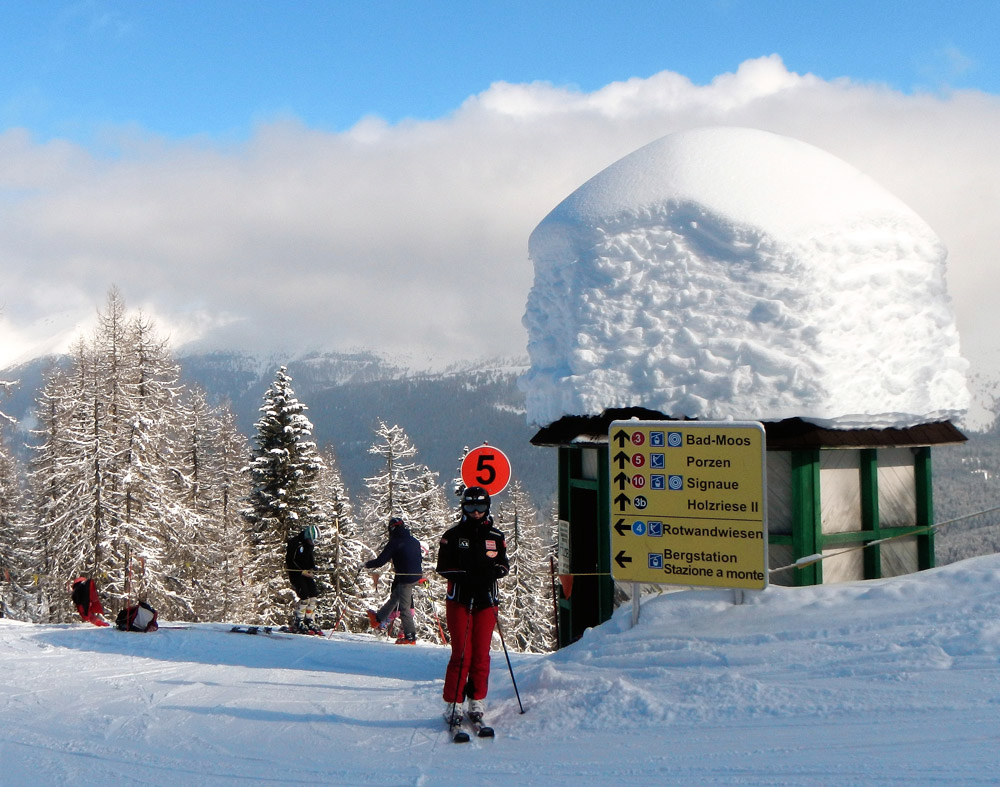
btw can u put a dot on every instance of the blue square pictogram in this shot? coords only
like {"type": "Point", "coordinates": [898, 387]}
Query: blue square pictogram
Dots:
{"type": "Point", "coordinates": [655, 560]}
{"type": "Point", "coordinates": [657, 481]}
{"type": "Point", "coordinates": [654, 528]}
{"type": "Point", "coordinates": [657, 461]}
{"type": "Point", "coordinates": [656, 439]}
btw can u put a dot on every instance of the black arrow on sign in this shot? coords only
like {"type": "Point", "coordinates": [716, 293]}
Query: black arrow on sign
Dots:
{"type": "Point", "coordinates": [622, 458]}
{"type": "Point", "coordinates": [621, 527]}
{"type": "Point", "coordinates": [622, 437]}
{"type": "Point", "coordinates": [622, 480]}
{"type": "Point", "coordinates": [621, 559]}
{"type": "Point", "coordinates": [622, 500]}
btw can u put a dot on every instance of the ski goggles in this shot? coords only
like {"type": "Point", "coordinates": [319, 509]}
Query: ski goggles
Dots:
{"type": "Point", "coordinates": [477, 507]}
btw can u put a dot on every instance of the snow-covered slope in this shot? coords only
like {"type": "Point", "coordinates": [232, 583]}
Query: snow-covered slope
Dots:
{"type": "Point", "coordinates": [734, 273]}
{"type": "Point", "coordinates": [892, 681]}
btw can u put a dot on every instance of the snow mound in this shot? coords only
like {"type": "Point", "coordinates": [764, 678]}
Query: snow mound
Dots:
{"type": "Point", "coordinates": [733, 273]}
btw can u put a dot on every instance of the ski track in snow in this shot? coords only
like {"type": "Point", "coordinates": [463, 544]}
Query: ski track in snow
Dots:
{"type": "Point", "coordinates": [886, 681]}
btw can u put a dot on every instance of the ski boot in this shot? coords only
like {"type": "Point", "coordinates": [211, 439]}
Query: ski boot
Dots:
{"type": "Point", "coordinates": [453, 714]}
{"type": "Point", "coordinates": [476, 710]}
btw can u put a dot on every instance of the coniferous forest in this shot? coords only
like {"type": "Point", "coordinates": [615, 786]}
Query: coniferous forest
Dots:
{"type": "Point", "coordinates": [136, 481]}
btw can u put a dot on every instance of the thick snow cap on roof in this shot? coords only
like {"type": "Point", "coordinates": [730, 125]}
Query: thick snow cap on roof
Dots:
{"type": "Point", "coordinates": [733, 273]}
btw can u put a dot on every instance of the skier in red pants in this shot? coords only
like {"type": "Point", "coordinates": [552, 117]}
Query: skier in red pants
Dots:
{"type": "Point", "coordinates": [472, 557]}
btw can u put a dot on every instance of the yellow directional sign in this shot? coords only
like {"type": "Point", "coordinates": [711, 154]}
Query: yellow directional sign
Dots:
{"type": "Point", "coordinates": [688, 503]}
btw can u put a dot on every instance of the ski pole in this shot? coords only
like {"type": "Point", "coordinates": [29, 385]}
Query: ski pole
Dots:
{"type": "Point", "coordinates": [509, 666]}
{"type": "Point", "coordinates": [335, 625]}
{"type": "Point", "coordinates": [444, 639]}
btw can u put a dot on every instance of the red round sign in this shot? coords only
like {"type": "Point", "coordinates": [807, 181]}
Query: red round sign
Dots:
{"type": "Point", "coordinates": [487, 467]}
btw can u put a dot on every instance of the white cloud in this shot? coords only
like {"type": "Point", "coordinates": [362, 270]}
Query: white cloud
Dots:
{"type": "Point", "coordinates": [413, 237]}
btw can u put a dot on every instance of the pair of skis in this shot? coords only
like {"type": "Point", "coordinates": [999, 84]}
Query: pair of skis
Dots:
{"type": "Point", "coordinates": [269, 631]}
{"type": "Point", "coordinates": [459, 735]}
{"type": "Point", "coordinates": [265, 631]}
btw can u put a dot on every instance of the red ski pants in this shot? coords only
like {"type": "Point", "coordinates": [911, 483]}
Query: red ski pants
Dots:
{"type": "Point", "coordinates": [471, 634]}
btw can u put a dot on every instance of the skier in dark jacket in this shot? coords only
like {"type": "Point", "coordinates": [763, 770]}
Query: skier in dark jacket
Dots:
{"type": "Point", "coordinates": [301, 563]}
{"type": "Point", "coordinates": [472, 557]}
{"type": "Point", "coordinates": [407, 557]}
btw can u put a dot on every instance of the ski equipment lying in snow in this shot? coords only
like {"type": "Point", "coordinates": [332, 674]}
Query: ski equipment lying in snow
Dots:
{"type": "Point", "coordinates": [138, 617]}
{"type": "Point", "coordinates": [266, 631]}
{"type": "Point", "coordinates": [83, 592]}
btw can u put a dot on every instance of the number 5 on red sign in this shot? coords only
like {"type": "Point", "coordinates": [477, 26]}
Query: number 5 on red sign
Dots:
{"type": "Point", "coordinates": [488, 467]}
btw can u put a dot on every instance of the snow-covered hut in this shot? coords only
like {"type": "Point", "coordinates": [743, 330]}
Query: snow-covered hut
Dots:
{"type": "Point", "coordinates": [731, 273]}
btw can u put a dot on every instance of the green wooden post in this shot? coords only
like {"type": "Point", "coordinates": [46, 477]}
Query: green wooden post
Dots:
{"type": "Point", "coordinates": [565, 605]}
{"type": "Point", "coordinates": [869, 511]}
{"type": "Point", "coordinates": [806, 526]}
{"type": "Point", "coordinates": [925, 507]}
{"type": "Point", "coordinates": [606, 586]}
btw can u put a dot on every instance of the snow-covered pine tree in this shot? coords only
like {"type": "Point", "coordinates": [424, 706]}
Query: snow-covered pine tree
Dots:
{"type": "Point", "coordinates": [430, 517]}
{"type": "Point", "coordinates": [344, 595]}
{"type": "Point", "coordinates": [153, 530]}
{"type": "Point", "coordinates": [212, 551]}
{"type": "Point", "coordinates": [100, 479]}
{"type": "Point", "coordinates": [14, 557]}
{"type": "Point", "coordinates": [17, 555]}
{"type": "Point", "coordinates": [197, 547]}
{"type": "Point", "coordinates": [525, 594]}
{"type": "Point", "coordinates": [283, 471]}
{"type": "Point", "coordinates": [228, 486]}
{"type": "Point", "coordinates": [389, 488]}
{"type": "Point", "coordinates": [69, 477]}
{"type": "Point", "coordinates": [57, 486]}
{"type": "Point", "coordinates": [108, 397]}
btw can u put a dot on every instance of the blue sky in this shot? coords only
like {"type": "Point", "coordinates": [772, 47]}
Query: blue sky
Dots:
{"type": "Point", "coordinates": [287, 175]}
{"type": "Point", "coordinates": [180, 69]}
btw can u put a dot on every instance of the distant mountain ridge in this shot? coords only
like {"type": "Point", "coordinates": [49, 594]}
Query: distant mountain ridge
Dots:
{"type": "Point", "coordinates": [347, 393]}
{"type": "Point", "coordinates": [444, 412]}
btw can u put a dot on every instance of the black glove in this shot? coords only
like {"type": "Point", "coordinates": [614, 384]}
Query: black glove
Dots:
{"type": "Point", "coordinates": [501, 571]}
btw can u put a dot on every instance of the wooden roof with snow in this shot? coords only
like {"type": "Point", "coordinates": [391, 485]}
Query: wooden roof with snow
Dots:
{"type": "Point", "coordinates": [786, 435]}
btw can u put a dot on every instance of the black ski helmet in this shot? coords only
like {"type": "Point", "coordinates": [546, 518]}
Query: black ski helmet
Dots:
{"type": "Point", "coordinates": [394, 522]}
{"type": "Point", "coordinates": [475, 496]}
